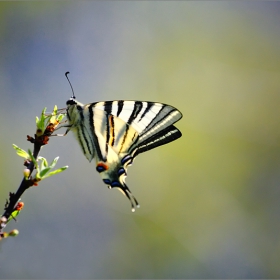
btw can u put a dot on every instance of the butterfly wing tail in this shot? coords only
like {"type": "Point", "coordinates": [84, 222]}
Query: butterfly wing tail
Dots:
{"type": "Point", "coordinates": [123, 188]}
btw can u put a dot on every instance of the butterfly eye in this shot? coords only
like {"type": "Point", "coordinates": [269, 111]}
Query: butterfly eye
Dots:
{"type": "Point", "coordinates": [71, 102]}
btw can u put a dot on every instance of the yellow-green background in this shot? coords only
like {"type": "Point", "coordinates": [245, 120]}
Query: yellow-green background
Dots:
{"type": "Point", "coordinates": [210, 201]}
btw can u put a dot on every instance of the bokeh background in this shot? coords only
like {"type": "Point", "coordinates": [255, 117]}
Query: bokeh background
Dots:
{"type": "Point", "coordinates": [209, 201]}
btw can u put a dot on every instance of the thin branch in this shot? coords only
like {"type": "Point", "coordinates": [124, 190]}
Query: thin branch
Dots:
{"type": "Point", "coordinates": [40, 139]}
{"type": "Point", "coordinates": [25, 184]}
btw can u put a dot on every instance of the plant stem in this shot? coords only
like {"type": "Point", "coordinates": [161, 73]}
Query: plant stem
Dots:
{"type": "Point", "coordinates": [25, 184]}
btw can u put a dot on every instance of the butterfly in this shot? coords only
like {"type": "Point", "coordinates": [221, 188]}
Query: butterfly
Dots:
{"type": "Point", "coordinates": [115, 132]}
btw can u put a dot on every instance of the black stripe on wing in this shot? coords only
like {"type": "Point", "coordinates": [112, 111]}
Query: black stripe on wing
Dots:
{"type": "Point", "coordinates": [136, 110]}
{"type": "Point", "coordinates": [120, 106]}
{"type": "Point", "coordinates": [94, 136]}
{"type": "Point", "coordinates": [108, 110]}
{"type": "Point", "coordinates": [165, 112]}
{"type": "Point", "coordinates": [124, 137]}
{"type": "Point", "coordinates": [153, 120]}
{"type": "Point", "coordinates": [83, 137]}
{"type": "Point", "coordinates": [149, 105]}
{"type": "Point", "coordinates": [79, 136]}
{"type": "Point", "coordinates": [163, 137]}
{"type": "Point", "coordinates": [108, 107]}
{"type": "Point", "coordinates": [107, 133]}
{"type": "Point", "coordinates": [112, 130]}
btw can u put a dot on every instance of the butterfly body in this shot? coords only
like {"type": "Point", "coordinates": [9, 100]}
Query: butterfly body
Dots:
{"type": "Point", "coordinates": [115, 132]}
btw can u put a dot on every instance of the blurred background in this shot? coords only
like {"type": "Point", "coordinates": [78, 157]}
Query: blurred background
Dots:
{"type": "Point", "coordinates": [209, 201]}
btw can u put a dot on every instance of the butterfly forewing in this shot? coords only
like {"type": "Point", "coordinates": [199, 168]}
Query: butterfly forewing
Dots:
{"type": "Point", "coordinates": [114, 132]}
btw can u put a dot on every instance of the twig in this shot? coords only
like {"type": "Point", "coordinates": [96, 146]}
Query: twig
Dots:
{"type": "Point", "coordinates": [25, 184]}
{"type": "Point", "coordinates": [46, 125]}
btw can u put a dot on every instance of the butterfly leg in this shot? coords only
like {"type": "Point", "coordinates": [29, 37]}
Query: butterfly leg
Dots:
{"type": "Point", "coordinates": [66, 132]}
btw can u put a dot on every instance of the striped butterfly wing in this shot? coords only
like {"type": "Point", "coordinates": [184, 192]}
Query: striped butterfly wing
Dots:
{"type": "Point", "coordinates": [152, 121]}
{"type": "Point", "coordinates": [115, 132]}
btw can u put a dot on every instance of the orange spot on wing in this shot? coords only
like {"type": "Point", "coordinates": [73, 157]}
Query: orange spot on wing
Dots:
{"type": "Point", "coordinates": [102, 164]}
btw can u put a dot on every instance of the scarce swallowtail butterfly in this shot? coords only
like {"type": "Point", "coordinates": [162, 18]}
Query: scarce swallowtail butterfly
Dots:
{"type": "Point", "coordinates": [115, 132]}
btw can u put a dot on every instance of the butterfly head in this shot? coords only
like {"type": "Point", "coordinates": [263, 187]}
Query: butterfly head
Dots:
{"type": "Point", "coordinates": [73, 110]}
{"type": "Point", "coordinates": [71, 101]}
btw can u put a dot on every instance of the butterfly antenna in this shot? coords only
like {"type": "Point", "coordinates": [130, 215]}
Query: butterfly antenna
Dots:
{"type": "Point", "coordinates": [66, 75]}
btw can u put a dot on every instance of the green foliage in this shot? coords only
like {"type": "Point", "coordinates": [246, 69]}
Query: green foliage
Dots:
{"type": "Point", "coordinates": [21, 152]}
{"type": "Point", "coordinates": [55, 116]}
{"type": "Point", "coordinates": [41, 123]}
{"type": "Point", "coordinates": [14, 214]}
{"type": "Point", "coordinates": [41, 164]}
{"type": "Point", "coordinates": [46, 119]}
{"type": "Point", "coordinates": [43, 169]}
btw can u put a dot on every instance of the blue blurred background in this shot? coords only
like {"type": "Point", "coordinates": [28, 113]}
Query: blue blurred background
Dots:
{"type": "Point", "coordinates": [209, 201]}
